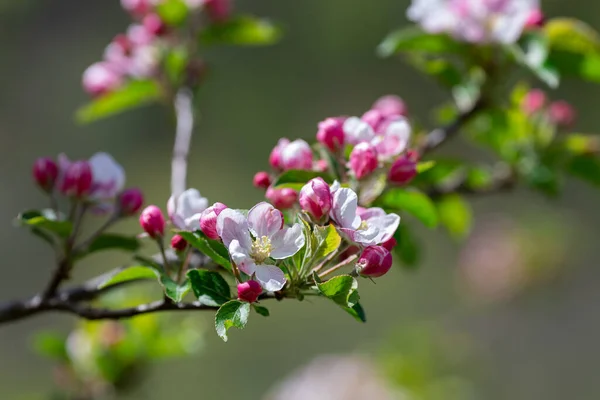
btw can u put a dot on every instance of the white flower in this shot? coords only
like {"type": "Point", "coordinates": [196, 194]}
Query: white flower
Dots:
{"type": "Point", "coordinates": [252, 240]}
{"type": "Point", "coordinates": [373, 226]}
{"type": "Point", "coordinates": [108, 177]}
{"type": "Point", "coordinates": [392, 141]}
{"type": "Point", "coordinates": [186, 210]}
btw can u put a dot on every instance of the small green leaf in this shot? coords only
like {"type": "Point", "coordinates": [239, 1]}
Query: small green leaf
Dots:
{"type": "Point", "coordinates": [414, 39]}
{"type": "Point", "coordinates": [455, 214]}
{"type": "Point", "coordinates": [51, 345]}
{"type": "Point", "coordinates": [132, 94]}
{"type": "Point", "coordinates": [586, 168]}
{"type": "Point", "coordinates": [126, 274]}
{"type": "Point", "coordinates": [407, 249]}
{"type": "Point", "coordinates": [357, 312]}
{"type": "Point", "coordinates": [173, 290]}
{"type": "Point", "coordinates": [425, 166]}
{"type": "Point", "coordinates": [338, 289]}
{"type": "Point", "coordinates": [414, 202]}
{"type": "Point", "coordinates": [172, 12]}
{"type": "Point", "coordinates": [328, 240]}
{"type": "Point", "coordinates": [212, 248]}
{"type": "Point", "coordinates": [243, 30]}
{"type": "Point", "coordinates": [295, 178]}
{"type": "Point", "coordinates": [113, 241]}
{"type": "Point", "coordinates": [231, 314]}
{"type": "Point", "coordinates": [479, 178]}
{"type": "Point", "coordinates": [209, 287]}
{"type": "Point", "coordinates": [46, 220]}
{"type": "Point", "coordinates": [264, 311]}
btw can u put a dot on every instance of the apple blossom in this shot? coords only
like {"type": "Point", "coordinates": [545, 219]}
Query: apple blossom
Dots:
{"type": "Point", "coordinates": [76, 179]}
{"type": "Point", "coordinates": [390, 106]}
{"type": "Point", "coordinates": [331, 133]}
{"type": "Point", "coordinates": [320, 166]}
{"type": "Point", "coordinates": [261, 180]}
{"type": "Point", "coordinates": [208, 220]}
{"type": "Point", "coordinates": [296, 155]}
{"type": "Point", "coordinates": [152, 221]}
{"type": "Point", "coordinates": [45, 173]}
{"type": "Point", "coordinates": [185, 210]}
{"type": "Point", "coordinates": [357, 131]}
{"type": "Point", "coordinates": [282, 198]}
{"type": "Point", "coordinates": [275, 156]}
{"type": "Point", "coordinates": [536, 19]}
{"type": "Point", "coordinates": [534, 101]}
{"type": "Point", "coordinates": [130, 201]}
{"type": "Point", "coordinates": [101, 78]}
{"type": "Point", "coordinates": [315, 198]}
{"type": "Point", "coordinates": [394, 138]}
{"type": "Point", "coordinates": [137, 7]}
{"type": "Point", "coordinates": [375, 261]}
{"type": "Point", "coordinates": [403, 170]}
{"type": "Point", "coordinates": [562, 113]}
{"type": "Point", "coordinates": [108, 176]}
{"type": "Point", "coordinates": [373, 226]}
{"type": "Point", "coordinates": [254, 239]}
{"type": "Point", "coordinates": [154, 24]}
{"type": "Point", "coordinates": [249, 291]}
{"type": "Point", "coordinates": [363, 160]}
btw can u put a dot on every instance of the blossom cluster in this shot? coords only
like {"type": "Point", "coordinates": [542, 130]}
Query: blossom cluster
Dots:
{"type": "Point", "coordinates": [559, 112]}
{"type": "Point", "coordinates": [477, 21]}
{"type": "Point", "coordinates": [99, 182]}
{"type": "Point", "coordinates": [376, 141]}
{"type": "Point", "coordinates": [137, 54]}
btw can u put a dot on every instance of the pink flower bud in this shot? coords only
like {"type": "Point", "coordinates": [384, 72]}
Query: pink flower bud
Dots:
{"type": "Point", "coordinates": [315, 198]}
{"type": "Point", "coordinates": [45, 172]}
{"type": "Point", "coordinates": [562, 113]}
{"type": "Point", "coordinates": [403, 170]}
{"type": "Point", "coordinates": [534, 101]}
{"type": "Point", "coordinates": [208, 220]}
{"type": "Point", "coordinates": [131, 201]}
{"type": "Point", "coordinates": [154, 24]}
{"type": "Point", "coordinates": [282, 198]}
{"type": "Point", "coordinates": [363, 160]}
{"type": "Point", "coordinates": [535, 19]}
{"type": "Point", "coordinates": [275, 157]}
{"type": "Point", "coordinates": [101, 78]}
{"type": "Point", "coordinates": [331, 133]}
{"type": "Point", "coordinates": [77, 179]}
{"type": "Point", "coordinates": [249, 291]}
{"type": "Point", "coordinates": [261, 180]}
{"type": "Point", "coordinates": [374, 118]}
{"type": "Point", "coordinates": [152, 221]}
{"type": "Point", "coordinates": [178, 243]}
{"type": "Point", "coordinates": [390, 244]}
{"type": "Point", "coordinates": [218, 10]}
{"type": "Point", "coordinates": [391, 106]}
{"type": "Point", "coordinates": [296, 155]}
{"type": "Point", "coordinates": [320, 166]}
{"type": "Point", "coordinates": [136, 7]}
{"type": "Point", "coordinates": [375, 261]}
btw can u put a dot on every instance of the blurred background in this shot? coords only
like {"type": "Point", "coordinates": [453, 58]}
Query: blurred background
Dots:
{"type": "Point", "coordinates": [510, 314]}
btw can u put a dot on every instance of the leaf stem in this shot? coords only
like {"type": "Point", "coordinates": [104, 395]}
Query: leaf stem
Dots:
{"type": "Point", "coordinates": [342, 264]}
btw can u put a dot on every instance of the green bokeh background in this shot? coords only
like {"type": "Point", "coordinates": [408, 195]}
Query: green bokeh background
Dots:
{"type": "Point", "coordinates": [542, 345]}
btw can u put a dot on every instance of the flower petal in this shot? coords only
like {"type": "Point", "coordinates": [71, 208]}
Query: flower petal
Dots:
{"type": "Point", "coordinates": [372, 212]}
{"type": "Point", "coordinates": [270, 277]}
{"type": "Point", "coordinates": [386, 225]}
{"type": "Point", "coordinates": [357, 131]}
{"type": "Point", "coordinates": [108, 175]}
{"type": "Point", "coordinates": [395, 140]}
{"type": "Point", "coordinates": [343, 210]}
{"type": "Point", "coordinates": [232, 225]}
{"type": "Point", "coordinates": [366, 237]}
{"type": "Point", "coordinates": [287, 242]}
{"type": "Point", "coordinates": [264, 220]}
{"type": "Point", "coordinates": [241, 258]}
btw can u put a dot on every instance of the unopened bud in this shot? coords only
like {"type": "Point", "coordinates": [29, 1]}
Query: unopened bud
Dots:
{"type": "Point", "coordinates": [261, 180]}
{"type": "Point", "coordinates": [562, 114]}
{"type": "Point", "coordinates": [315, 198]}
{"type": "Point", "coordinates": [136, 7]}
{"type": "Point", "coordinates": [154, 24]}
{"type": "Point", "coordinates": [178, 243]}
{"type": "Point", "coordinates": [131, 201]}
{"type": "Point", "coordinates": [534, 101]}
{"type": "Point", "coordinates": [296, 155]}
{"type": "Point", "coordinates": [249, 291]}
{"type": "Point", "coordinates": [390, 244]}
{"type": "Point", "coordinates": [375, 261]}
{"type": "Point", "coordinates": [391, 106]}
{"type": "Point", "coordinates": [208, 220]}
{"type": "Point", "coordinates": [101, 78]}
{"type": "Point", "coordinates": [152, 221]}
{"type": "Point", "coordinates": [363, 160]}
{"type": "Point", "coordinates": [218, 10]}
{"type": "Point", "coordinates": [403, 170]}
{"type": "Point", "coordinates": [331, 133]}
{"type": "Point", "coordinates": [45, 172]}
{"type": "Point", "coordinates": [535, 19]}
{"type": "Point", "coordinates": [282, 198]}
{"type": "Point", "coordinates": [77, 179]}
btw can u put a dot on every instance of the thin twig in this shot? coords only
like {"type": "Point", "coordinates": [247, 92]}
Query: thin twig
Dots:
{"type": "Point", "coordinates": [342, 264]}
{"type": "Point", "coordinates": [184, 111]}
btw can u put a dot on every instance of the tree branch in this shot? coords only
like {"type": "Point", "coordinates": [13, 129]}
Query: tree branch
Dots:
{"type": "Point", "coordinates": [503, 179]}
{"type": "Point", "coordinates": [185, 125]}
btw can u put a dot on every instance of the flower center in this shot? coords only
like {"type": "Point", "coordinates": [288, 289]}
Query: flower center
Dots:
{"type": "Point", "coordinates": [261, 249]}
{"type": "Point", "coordinates": [363, 226]}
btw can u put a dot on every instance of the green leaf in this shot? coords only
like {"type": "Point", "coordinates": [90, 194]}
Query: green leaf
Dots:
{"type": "Point", "coordinates": [46, 220]}
{"type": "Point", "coordinates": [414, 39]}
{"type": "Point", "coordinates": [264, 311]}
{"type": "Point", "coordinates": [444, 71]}
{"type": "Point", "coordinates": [127, 274]}
{"type": "Point", "coordinates": [51, 345]}
{"type": "Point", "coordinates": [209, 287]}
{"type": "Point", "coordinates": [414, 202]}
{"type": "Point", "coordinates": [455, 214]}
{"type": "Point", "coordinates": [173, 290]}
{"type": "Point", "coordinates": [212, 248]}
{"type": "Point", "coordinates": [113, 241]}
{"type": "Point", "coordinates": [328, 240]}
{"type": "Point", "coordinates": [172, 12]}
{"type": "Point", "coordinates": [586, 168]}
{"type": "Point", "coordinates": [479, 178]}
{"type": "Point", "coordinates": [425, 166]}
{"type": "Point", "coordinates": [357, 312]}
{"type": "Point", "coordinates": [295, 178]}
{"type": "Point", "coordinates": [338, 289]}
{"type": "Point", "coordinates": [231, 314]}
{"type": "Point", "coordinates": [132, 94]}
{"type": "Point", "coordinates": [407, 249]}
{"type": "Point", "coordinates": [243, 30]}
{"type": "Point", "coordinates": [175, 64]}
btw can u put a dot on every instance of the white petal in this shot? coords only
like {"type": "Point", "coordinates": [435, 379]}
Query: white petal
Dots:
{"type": "Point", "coordinates": [189, 203]}
{"type": "Point", "coordinates": [396, 138]}
{"type": "Point", "coordinates": [232, 225]}
{"type": "Point", "coordinates": [287, 242]}
{"type": "Point", "coordinates": [343, 210]}
{"type": "Point", "coordinates": [357, 131]}
{"type": "Point", "coordinates": [386, 225]}
{"type": "Point", "coordinates": [265, 220]}
{"type": "Point", "coordinates": [240, 257]}
{"type": "Point", "coordinates": [108, 175]}
{"type": "Point", "coordinates": [335, 186]}
{"type": "Point", "coordinates": [367, 237]}
{"type": "Point", "coordinates": [270, 277]}
{"type": "Point", "coordinates": [372, 213]}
